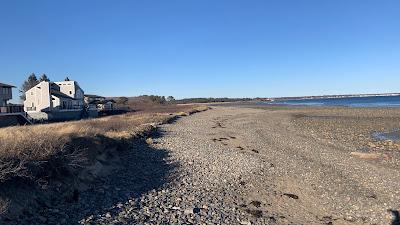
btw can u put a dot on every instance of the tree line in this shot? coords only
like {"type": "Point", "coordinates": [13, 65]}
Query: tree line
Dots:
{"type": "Point", "coordinates": [211, 100]}
{"type": "Point", "coordinates": [152, 98]}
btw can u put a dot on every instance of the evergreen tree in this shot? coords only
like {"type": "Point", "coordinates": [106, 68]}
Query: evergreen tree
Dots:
{"type": "Point", "coordinates": [44, 78]}
{"type": "Point", "coordinates": [28, 84]}
{"type": "Point", "coordinates": [170, 99]}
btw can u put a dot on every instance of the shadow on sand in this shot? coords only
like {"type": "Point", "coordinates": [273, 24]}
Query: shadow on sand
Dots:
{"type": "Point", "coordinates": [142, 169]}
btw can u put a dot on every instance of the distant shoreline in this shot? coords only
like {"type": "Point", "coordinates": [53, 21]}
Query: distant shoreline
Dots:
{"type": "Point", "coordinates": [336, 96]}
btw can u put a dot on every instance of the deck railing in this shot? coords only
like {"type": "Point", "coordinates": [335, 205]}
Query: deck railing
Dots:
{"type": "Point", "coordinates": [11, 109]}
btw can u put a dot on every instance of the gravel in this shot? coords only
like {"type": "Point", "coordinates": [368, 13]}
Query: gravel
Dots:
{"type": "Point", "coordinates": [240, 166]}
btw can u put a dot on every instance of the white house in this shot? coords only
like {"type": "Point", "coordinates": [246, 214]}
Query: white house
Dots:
{"type": "Point", "coordinates": [55, 101]}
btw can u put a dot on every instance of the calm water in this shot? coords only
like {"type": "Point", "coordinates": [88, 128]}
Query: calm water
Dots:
{"type": "Point", "coordinates": [382, 101]}
{"type": "Point", "coordinates": [383, 136]}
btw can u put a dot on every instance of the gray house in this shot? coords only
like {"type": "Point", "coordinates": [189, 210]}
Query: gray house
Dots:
{"type": "Point", "coordinates": [10, 114]}
{"type": "Point", "coordinates": [5, 96]}
{"type": "Point", "coordinates": [55, 101]}
{"type": "Point", "coordinates": [5, 93]}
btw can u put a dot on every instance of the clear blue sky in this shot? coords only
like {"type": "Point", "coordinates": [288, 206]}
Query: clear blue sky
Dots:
{"type": "Point", "coordinates": [202, 48]}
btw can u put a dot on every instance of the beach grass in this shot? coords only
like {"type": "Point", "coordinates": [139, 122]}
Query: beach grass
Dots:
{"type": "Point", "coordinates": [49, 150]}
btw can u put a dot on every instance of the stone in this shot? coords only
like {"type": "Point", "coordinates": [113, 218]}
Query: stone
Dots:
{"type": "Point", "coordinates": [192, 211]}
{"type": "Point", "coordinates": [149, 141]}
{"type": "Point", "coordinates": [42, 219]}
{"type": "Point", "coordinates": [372, 145]}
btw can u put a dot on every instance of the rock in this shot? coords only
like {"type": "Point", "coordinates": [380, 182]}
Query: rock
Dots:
{"type": "Point", "coordinates": [192, 211]}
{"type": "Point", "coordinates": [55, 210]}
{"type": "Point", "coordinates": [372, 145]}
{"type": "Point", "coordinates": [293, 196]}
{"type": "Point", "coordinates": [256, 204]}
{"type": "Point", "coordinates": [149, 141]}
{"type": "Point", "coordinates": [42, 219]}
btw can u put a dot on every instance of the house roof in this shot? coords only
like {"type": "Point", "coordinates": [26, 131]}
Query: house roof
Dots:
{"type": "Point", "coordinates": [6, 85]}
{"type": "Point", "coordinates": [60, 94]}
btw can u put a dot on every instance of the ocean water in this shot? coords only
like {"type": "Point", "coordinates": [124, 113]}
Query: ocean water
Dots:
{"type": "Point", "coordinates": [379, 101]}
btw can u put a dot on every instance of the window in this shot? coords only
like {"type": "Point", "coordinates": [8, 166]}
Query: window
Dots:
{"type": "Point", "coordinates": [70, 92]}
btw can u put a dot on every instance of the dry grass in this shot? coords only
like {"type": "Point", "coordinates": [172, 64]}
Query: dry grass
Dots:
{"type": "Point", "coordinates": [144, 104]}
{"type": "Point", "coordinates": [45, 151]}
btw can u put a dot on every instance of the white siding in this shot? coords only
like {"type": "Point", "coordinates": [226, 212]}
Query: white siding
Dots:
{"type": "Point", "coordinates": [38, 98]}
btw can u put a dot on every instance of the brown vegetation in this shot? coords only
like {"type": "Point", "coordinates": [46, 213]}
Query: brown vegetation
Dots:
{"type": "Point", "coordinates": [41, 153]}
{"type": "Point", "coordinates": [149, 103]}
{"type": "Point", "coordinates": [68, 146]}
{"type": "Point", "coordinates": [25, 149]}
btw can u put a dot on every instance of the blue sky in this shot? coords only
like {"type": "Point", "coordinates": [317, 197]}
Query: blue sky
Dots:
{"type": "Point", "coordinates": [205, 48]}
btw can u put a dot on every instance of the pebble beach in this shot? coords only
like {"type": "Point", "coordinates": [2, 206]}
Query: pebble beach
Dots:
{"type": "Point", "coordinates": [252, 165]}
